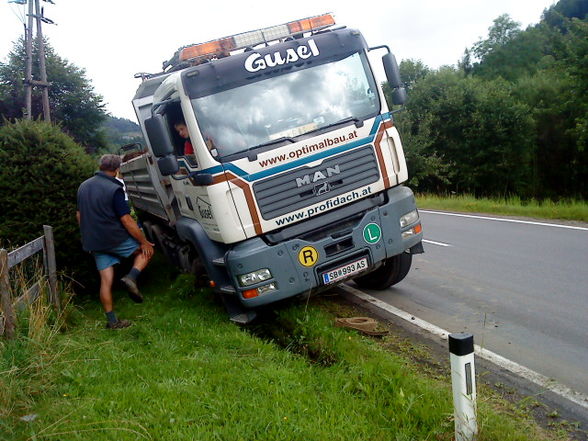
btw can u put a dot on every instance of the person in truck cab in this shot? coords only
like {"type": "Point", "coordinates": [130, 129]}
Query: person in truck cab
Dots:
{"type": "Point", "coordinates": [182, 130]}
{"type": "Point", "coordinates": [109, 233]}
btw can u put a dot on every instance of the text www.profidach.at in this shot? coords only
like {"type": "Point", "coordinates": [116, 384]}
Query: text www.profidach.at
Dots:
{"type": "Point", "coordinates": [325, 206]}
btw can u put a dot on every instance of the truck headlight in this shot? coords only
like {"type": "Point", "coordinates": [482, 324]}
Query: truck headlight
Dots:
{"type": "Point", "coordinates": [409, 218]}
{"type": "Point", "coordinates": [254, 277]}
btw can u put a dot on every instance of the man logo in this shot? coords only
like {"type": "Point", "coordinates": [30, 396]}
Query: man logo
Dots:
{"type": "Point", "coordinates": [318, 175]}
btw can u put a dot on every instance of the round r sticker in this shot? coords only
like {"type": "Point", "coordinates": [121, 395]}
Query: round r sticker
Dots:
{"type": "Point", "coordinates": [308, 256]}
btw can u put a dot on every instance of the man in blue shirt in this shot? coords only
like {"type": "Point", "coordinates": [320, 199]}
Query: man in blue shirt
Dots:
{"type": "Point", "coordinates": [110, 233]}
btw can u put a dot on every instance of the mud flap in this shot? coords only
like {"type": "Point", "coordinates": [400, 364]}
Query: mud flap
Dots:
{"type": "Point", "coordinates": [237, 313]}
{"type": "Point", "coordinates": [417, 249]}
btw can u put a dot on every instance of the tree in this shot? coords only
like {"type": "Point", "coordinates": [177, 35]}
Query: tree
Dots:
{"type": "Point", "coordinates": [522, 55]}
{"type": "Point", "coordinates": [503, 30]}
{"type": "Point", "coordinates": [465, 63]}
{"type": "Point", "coordinates": [73, 102]}
{"type": "Point", "coordinates": [467, 134]}
{"type": "Point", "coordinates": [556, 15]}
{"type": "Point", "coordinates": [412, 71]}
{"type": "Point", "coordinates": [514, 120]}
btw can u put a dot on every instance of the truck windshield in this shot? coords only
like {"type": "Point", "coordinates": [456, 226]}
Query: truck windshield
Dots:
{"type": "Point", "coordinates": [287, 106]}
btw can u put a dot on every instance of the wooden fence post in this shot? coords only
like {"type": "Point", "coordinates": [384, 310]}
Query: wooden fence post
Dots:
{"type": "Point", "coordinates": [49, 251]}
{"type": "Point", "coordinates": [5, 297]}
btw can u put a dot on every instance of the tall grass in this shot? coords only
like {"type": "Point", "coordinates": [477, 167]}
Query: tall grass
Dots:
{"type": "Point", "coordinates": [23, 360]}
{"type": "Point", "coordinates": [184, 372]}
{"type": "Point", "coordinates": [565, 209]}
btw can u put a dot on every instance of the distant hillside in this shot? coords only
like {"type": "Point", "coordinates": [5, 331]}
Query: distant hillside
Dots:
{"type": "Point", "coordinates": [121, 131]}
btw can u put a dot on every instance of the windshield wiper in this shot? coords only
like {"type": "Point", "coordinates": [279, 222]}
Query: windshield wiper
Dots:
{"type": "Point", "coordinates": [253, 156]}
{"type": "Point", "coordinates": [358, 122]}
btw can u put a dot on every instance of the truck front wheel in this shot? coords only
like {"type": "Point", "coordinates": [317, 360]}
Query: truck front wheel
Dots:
{"type": "Point", "coordinates": [390, 273]}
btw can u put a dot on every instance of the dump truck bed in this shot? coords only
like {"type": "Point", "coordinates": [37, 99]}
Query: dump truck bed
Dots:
{"type": "Point", "coordinates": [148, 191]}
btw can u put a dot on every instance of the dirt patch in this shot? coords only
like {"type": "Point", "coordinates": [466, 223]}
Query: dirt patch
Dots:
{"type": "Point", "coordinates": [292, 336]}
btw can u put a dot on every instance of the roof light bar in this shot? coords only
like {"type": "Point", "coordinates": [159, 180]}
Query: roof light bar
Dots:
{"type": "Point", "coordinates": [247, 39]}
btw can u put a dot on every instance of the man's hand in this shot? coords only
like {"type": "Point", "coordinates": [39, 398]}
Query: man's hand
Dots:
{"type": "Point", "coordinates": [133, 229]}
{"type": "Point", "coordinates": [147, 249]}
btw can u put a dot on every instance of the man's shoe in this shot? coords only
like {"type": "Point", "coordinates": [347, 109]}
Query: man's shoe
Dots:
{"type": "Point", "coordinates": [119, 324]}
{"type": "Point", "coordinates": [133, 289]}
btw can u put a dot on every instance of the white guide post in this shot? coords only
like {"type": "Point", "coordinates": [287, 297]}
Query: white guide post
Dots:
{"type": "Point", "coordinates": [463, 380]}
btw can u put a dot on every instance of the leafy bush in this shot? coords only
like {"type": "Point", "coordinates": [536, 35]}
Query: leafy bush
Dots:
{"type": "Point", "coordinates": [467, 134]}
{"type": "Point", "coordinates": [40, 171]}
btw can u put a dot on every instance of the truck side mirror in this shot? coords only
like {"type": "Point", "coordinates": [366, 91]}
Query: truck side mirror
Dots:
{"type": "Point", "coordinates": [392, 71]}
{"type": "Point", "coordinates": [394, 81]}
{"type": "Point", "coordinates": [159, 137]}
{"type": "Point", "coordinates": [399, 96]}
{"type": "Point", "coordinates": [168, 165]}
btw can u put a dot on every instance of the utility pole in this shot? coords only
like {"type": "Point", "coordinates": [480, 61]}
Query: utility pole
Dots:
{"type": "Point", "coordinates": [41, 43]}
{"type": "Point", "coordinates": [29, 65]}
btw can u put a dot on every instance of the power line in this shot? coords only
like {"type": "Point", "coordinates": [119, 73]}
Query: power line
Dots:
{"type": "Point", "coordinates": [18, 12]}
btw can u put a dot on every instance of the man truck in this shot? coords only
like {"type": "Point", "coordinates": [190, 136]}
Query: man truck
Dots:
{"type": "Point", "coordinates": [293, 182]}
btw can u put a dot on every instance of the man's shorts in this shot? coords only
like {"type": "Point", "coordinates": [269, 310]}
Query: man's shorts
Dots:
{"type": "Point", "coordinates": [106, 259]}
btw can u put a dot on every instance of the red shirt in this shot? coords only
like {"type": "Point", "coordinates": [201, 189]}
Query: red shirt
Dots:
{"type": "Point", "coordinates": [188, 149]}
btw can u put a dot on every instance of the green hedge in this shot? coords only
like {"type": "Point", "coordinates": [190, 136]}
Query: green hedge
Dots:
{"type": "Point", "coordinates": [40, 171]}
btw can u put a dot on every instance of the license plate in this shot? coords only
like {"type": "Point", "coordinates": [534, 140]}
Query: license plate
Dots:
{"type": "Point", "coordinates": [345, 271]}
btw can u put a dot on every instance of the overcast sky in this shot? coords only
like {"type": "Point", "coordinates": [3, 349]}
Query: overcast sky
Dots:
{"type": "Point", "coordinates": [114, 39]}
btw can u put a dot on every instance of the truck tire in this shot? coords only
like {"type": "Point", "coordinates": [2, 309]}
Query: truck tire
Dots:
{"type": "Point", "coordinates": [390, 273]}
{"type": "Point", "coordinates": [148, 230]}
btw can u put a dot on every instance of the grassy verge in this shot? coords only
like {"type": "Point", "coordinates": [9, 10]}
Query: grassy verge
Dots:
{"type": "Point", "coordinates": [184, 372]}
{"type": "Point", "coordinates": [512, 206]}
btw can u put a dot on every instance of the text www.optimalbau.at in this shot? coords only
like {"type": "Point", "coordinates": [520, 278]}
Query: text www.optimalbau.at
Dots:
{"type": "Point", "coordinates": [295, 154]}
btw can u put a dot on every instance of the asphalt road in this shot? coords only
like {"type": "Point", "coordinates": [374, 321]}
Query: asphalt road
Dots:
{"type": "Point", "coordinates": [521, 289]}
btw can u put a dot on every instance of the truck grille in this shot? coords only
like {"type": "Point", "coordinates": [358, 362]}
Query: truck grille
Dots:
{"type": "Point", "coordinates": [305, 186]}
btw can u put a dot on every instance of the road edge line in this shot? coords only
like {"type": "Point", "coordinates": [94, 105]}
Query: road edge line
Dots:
{"type": "Point", "coordinates": [441, 244]}
{"type": "Point", "coordinates": [500, 361]}
{"type": "Point", "coordinates": [499, 219]}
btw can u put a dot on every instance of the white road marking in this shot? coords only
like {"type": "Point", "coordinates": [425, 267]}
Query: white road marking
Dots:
{"type": "Point", "coordinates": [441, 244]}
{"type": "Point", "coordinates": [516, 221]}
{"type": "Point", "coordinates": [535, 377]}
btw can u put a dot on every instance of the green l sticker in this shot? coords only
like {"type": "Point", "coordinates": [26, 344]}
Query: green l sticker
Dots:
{"type": "Point", "coordinates": [372, 233]}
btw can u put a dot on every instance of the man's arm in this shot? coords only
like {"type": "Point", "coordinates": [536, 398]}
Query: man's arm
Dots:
{"type": "Point", "coordinates": [134, 230]}
{"type": "Point", "coordinates": [121, 208]}
{"type": "Point", "coordinates": [78, 216]}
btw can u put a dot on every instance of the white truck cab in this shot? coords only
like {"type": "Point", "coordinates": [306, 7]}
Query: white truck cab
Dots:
{"type": "Point", "coordinates": [295, 180]}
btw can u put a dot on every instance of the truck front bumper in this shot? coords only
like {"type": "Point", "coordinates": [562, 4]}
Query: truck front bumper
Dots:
{"type": "Point", "coordinates": [297, 266]}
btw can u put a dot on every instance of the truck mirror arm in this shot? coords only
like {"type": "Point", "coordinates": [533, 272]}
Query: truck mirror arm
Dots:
{"type": "Point", "coordinates": [383, 46]}
{"type": "Point", "coordinates": [199, 178]}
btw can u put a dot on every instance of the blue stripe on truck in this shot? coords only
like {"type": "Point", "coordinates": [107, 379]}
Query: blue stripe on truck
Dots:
{"type": "Point", "coordinates": [279, 169]}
